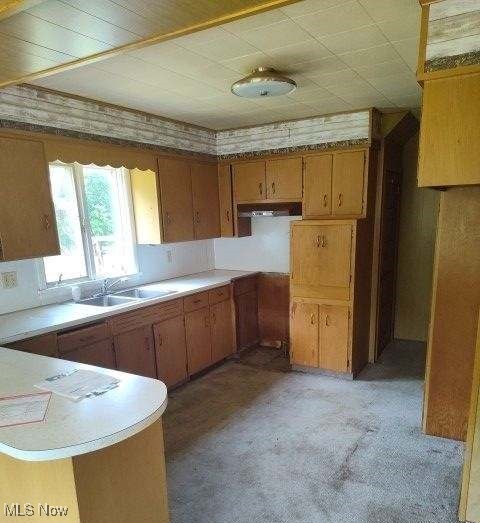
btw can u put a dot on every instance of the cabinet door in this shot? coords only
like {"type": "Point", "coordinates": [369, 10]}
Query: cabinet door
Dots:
{"type": "Point", "coordinates": [146, 205]}
{"type": "Point", "coordinates": [317, 179]}
{"type": "Point", "coordinates": [222, 330]}
{"type": "Point", "coordinates": [100, 354]}
{"type": "Point", "coordinates": [205, 200]}
{"type": "Point", "coordinates": [284, 179]}
{"type": "Point", "coordinates": [45, 345]}
{"type": "Point", "coordinates": [176, 196]}
{"type": "Point", "coordinates": [321, 258]}
{"type": "Point", "coordinates": [247, 319]}
{"type": "Point", "coordinates": [304, 337]}
{"type": "Point", "coordinates": [334, 338]}
{"type": "Point", "coordinates": [249, 181]}
{"type": "Point", "coordinates": [225, 197]}
{"type": "Point", "coordinates": [135, 352]}
{"type": "Point", "coordinates": [171, 351]}
{"type": "Point", "coordinates": [27, 220]}
{"type": "Point", "coordinates": [347, 183]}
{"type": "Point", "coordinates": [199, 343]}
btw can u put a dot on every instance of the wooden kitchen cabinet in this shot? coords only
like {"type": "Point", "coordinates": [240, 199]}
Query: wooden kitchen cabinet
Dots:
{"type": "Point", "coordinates": [246, 312]}
{"type": "Point", "coordinates": [222, 330]}
{"type": "Point", "coordinates": [135, 351]}
{"type": "Point", "coordinates": [171, 351]}
{"type": "Point", "coordinates": [100, 354]}
{"type": "Point", "coordinates": [335, 185]}
{"type": "Point", "coordinates": [348, 183]}
{"type": "Point", "coordinates": [45, 345]}
{"type": "Point", "coordinates": [320, 336]}
{"type": "Point", "coordinates": [249, 181]}
{"type": "Point", "coordinates": [199, 340]}
{"type": "Point", "coordinates": [284, 179]}
{"type": "Point", "coordinates": [176, 200]}
{"type": "Point", "coordinates": [317, 179]}
{"type": "Point", "coordinates": [304, 334]}
{"type": "Point", "coordinates": [225, 200]}
{"type": "Point", "coordinates": [27, 220]}
{"type": "Point", "coordinates": [321, 259]}
{"type": "Point", "coordinates": [205, 200]}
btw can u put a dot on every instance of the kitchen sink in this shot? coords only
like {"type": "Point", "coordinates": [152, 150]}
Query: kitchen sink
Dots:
{"type": "Point", "coordinates": [144, 294]}
{"type": "Point", "coordinates": [107, 301]}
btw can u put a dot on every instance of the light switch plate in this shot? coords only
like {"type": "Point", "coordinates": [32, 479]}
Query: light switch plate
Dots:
{"type": "Point", "coordinates": [9, 280]}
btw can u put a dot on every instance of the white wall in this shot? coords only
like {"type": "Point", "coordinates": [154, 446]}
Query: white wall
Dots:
{"type": "Point", "coordinates": [267, 250]}
{"type": "Point", "coordinates": [187, 258]}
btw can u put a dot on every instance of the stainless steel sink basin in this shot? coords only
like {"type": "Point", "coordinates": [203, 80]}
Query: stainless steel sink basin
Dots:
{"type": "Point", "coordinates": [107, 301]}
{"type": "Point", "coordinates": [144, 294]}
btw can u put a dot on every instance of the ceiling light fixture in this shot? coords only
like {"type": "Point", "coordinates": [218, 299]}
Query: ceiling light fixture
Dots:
{"type": "Point", "coordinates": [263, 82]}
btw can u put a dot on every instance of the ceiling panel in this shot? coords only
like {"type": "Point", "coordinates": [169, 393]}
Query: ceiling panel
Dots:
{"type": "Point", "coordinates": [344, 55]}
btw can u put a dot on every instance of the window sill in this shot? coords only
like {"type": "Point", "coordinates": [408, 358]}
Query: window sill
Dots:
{"type": "Point", "coordinates": [86, 286]}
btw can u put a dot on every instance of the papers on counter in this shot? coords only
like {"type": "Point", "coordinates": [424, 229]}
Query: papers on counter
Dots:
{"type": "Point", "coordinates": [24, 408]}
{"type": "Point", "coordinates": [79, 384]}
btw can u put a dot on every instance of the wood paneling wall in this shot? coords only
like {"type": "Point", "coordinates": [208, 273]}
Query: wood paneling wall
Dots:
{"type": "Point", "coordinates": [418, 222]}
{"type": "Point", "coordinates": [273, 307]}
{"type": "Point", "coordinates": [453, 320]}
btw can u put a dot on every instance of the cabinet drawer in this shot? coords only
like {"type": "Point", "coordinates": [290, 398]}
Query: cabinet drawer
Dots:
{"type": "Point", "coordinates": [219, 294]}
{"type": "Point", "coordinates": [147, 316]}
{"type": "Point", "coordinates": [244, 285]}
{"type": "Point", "coordinates": [69, 341]}
{"type": "Point", "coordinates": [196, 301]}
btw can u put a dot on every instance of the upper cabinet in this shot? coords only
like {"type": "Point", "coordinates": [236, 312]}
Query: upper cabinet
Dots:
{"type": "Point", "coordinates": [335, 185]}
{"type": "Point", "coordinates": [205, 200]}
{"type": "Point", "coordinates": [450, 132]}
{"type": "Point", "coordinates": [226, 200]}
{"type": "Point", "coordinates": [27, 219]}
{"type": "Point", "coordinates": [268, 180]}
{"type": "Point", "coordinates": [180, 203]}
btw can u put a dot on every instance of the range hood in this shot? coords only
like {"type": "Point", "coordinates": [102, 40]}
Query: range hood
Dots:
{"type": "Point", "coordinates": [269, 210]}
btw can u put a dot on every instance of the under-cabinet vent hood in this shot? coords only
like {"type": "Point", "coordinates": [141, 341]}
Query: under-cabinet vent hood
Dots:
{"type": "Point", "coordinates": [269, 210]}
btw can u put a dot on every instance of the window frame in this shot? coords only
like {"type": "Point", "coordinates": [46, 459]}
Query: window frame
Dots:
{"type": "Point", "coordinates": [77, 170]}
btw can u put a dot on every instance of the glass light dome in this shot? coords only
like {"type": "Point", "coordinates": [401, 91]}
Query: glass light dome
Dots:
{"type": "Point", "coordinates": [263, 82]}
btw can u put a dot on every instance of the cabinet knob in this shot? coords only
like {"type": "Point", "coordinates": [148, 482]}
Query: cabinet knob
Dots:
{"type": "Point", "coordinates": [47, 223]}
{"type": "Point", "coordinates": [324, 241]}
{"type": "Point", "coordinates": [260, 188]}
{"type": "Point", "coordinates": [169, 219]}
{"type": "Point", "coordinates": [340, 199]}
{"type": "Point", "coordinates": [273, 187]}
{"type": "Point", "coordinates": [147, 343]}
{"type": "Point", "coordinates": [160, 339]}
{"type": "Point", "coordinates": [327, 320]}
{"type": "Point", "coordinates": [228, 215]}
{"type": "Point", "coordinates": [312, 318]}
{"type": "Point", "coordinates": [197, 214]}
{"type": "Point", "coordinates": [325, 200]}
{"type": "Point", "coordinates": [317, 242]}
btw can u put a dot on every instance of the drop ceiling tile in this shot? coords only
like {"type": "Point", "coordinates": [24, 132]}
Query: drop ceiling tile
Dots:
{"type": "Point", "coordinates": [276, 35]}
{"type": "Point", "coordinates": [172, 57]}
{"type": "Point", "coordinates": [309, 6]}
{"type": "Point", "coordinates": [381, 10]}
{"type": "Point", "coordinates": [256, 21]}
{"type": "Point", "coordinates": [298, 53]}
{"type": "Point", "coordinates": [310, 94]}
{"type": "Point", "coordinates": [382, 69]}
{"type": "Point", "coordinates": [358, 101]}
{"type": "Point", "coordinates": [377, 54]}
{"type": "Point", "coordinates": [407, 101]}
{"type": "Point", "coordinates": [293, 111]}
{"type": "Point", "coordinates": [329, 105]}
{"type": "Point", "coordinates": [191, 40]}
{"type": "Point", "coordinates": [356, 88]}
{"type": "Point", "coordinates": [224, 48]}
{"type": "Point", "coordinates": [246, 64]}
{"type": "Point", "coordinates": [408, 50]}
{"type": "Point", "coordinates": [402, 28]}
{"type": "Point", "coordinates": [396, 84]}
{"type": "Point", "coordinates": [346, 76]}
{"type": "Point", "coordinates": [354, 40]}
{"type": "Point", "coordinates": [322, 67]}
{"type": "Point", "coordinates": [341, 18]}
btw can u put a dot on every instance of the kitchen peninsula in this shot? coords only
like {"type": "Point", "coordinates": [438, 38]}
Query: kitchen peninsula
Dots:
{"type": "Point", "coordinates": [86, 456]}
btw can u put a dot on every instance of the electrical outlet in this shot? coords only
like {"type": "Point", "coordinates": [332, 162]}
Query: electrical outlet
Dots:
{"type": "Point", "coordinates": [169, 256]}
{"type": "Point", "coordinates": [9, 280]}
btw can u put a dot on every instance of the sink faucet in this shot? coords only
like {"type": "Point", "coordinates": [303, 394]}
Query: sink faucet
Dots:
{"type": "Point", "coordinates": [107, 285]}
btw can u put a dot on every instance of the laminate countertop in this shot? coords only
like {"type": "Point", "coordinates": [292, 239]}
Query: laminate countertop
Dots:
{"type": "Point", "coordinates": [28, 323]}
{"type": "Point", "coordinates": [71, 427]}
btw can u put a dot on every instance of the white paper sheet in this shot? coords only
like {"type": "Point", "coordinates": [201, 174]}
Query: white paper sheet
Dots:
{"type": "Point", "coordinates": [24, 408]}
{"type": "Point", "coordinates": [79, 384]}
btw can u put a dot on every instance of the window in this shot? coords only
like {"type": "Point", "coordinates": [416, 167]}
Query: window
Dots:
{"type": "Point", "coordinates": [95, 224]}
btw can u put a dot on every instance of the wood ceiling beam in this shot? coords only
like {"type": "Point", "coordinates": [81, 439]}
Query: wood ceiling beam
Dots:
{"type": "Point", "coordinates": [12, 7]}
{"type": "Point", "coordinates": [228, 16]}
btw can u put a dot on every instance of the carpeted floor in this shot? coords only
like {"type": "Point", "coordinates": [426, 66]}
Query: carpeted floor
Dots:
{"type": "Point", "coordinates": [249, 442]}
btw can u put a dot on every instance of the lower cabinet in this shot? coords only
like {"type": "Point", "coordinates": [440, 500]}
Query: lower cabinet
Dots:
{"type": "Point", "coordinates": [199, 339]}
{"type": "Point", "coordinates": [246, 311]}
{"type": "Point", "coordinates": [100, 354]}
{"type": "Point", "coordinates": [135, 351]}
{"type": "Point", "coordinates": [171, 351]}
{"type": "Point", "coordinates": [45, 345]}
{"type": "Point", "coordinates": [222, 332]}
{"type": "Point", "coordinates": [320, 336]}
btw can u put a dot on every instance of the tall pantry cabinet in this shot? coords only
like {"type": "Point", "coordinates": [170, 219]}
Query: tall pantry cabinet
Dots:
{"type": "Point", "coordinates": [331, 263]}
